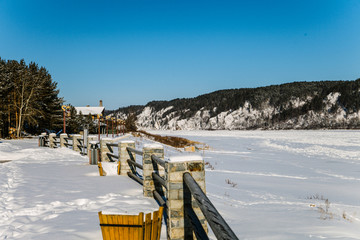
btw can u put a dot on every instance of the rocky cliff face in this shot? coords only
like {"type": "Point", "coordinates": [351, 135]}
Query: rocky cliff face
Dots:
{"type": "Point", "coordinates": [246, 117]}
{"type": "Point", "coordinates": [298, 105]}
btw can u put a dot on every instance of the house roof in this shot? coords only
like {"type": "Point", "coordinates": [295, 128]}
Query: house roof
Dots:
{"type": "Point", "coordinates": [89, 110]}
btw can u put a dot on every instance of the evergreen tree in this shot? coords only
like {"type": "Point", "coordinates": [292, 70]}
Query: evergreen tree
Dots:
{"type": "Point", "coordinates": [29, 98]}
{"type": "Point", "coordinates": [130, 123]}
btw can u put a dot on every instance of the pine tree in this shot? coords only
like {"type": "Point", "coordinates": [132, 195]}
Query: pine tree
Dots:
{"type": "Point", "coordinates": [29, 98]}
{"type": "Point", "coordinates": [130, 123]}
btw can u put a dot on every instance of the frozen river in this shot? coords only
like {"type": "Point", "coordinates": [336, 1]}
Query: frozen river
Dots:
{"type": "Point", "coordinates": [266, 184]}
{"type": "Point", "coordinates": [284, 184]}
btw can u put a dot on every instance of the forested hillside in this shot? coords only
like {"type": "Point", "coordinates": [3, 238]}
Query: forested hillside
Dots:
{"type": "Point", "coordinates": [28, 99]}
{"type": "Point", "coordinates": [324, 104]}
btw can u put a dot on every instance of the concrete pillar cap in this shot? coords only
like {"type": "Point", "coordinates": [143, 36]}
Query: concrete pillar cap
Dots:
{"type": "Point", "coordinates": [154, 145]}
{"type": "Point", "coordinates": [106, 139]}
{"type": "Point", "coordinates": [187, 158]}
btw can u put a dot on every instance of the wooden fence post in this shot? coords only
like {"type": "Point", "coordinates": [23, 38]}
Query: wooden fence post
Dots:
{"type": "Point", "coordinates": [62, 139]}
{"type": "Point", "coordinates": [75, 138]}
{"type": "Point", "coordinates": [124, 155]}
{"type": "Point", "coordinates": [149, 167]}
{"type": "Point", "coordinates": [52, 137]}
{"type": "Point", "coordinates": [178, 198]}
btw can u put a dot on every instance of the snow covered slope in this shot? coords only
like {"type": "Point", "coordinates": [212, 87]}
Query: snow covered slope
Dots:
{"type": "Point", "coordinates": [247, 117]}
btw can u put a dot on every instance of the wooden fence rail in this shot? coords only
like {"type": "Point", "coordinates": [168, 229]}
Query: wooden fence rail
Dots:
{"type": "Point", "coordinates": [111, 154]}
{"type": "Point", "coordinates": [217, 223]}
{"type": "Point", "coordinates": [158, 160]}
{"type": "Point", "coordinates": [139, 152]}
{"type": "Point", "coordinates": [133, 165]}
{"type": "Point", "coordinates": [173, 183]}
{"type": "Point", "coordinates": [161, 180]}
{"type": "Point", "coordinates": [46, 141]}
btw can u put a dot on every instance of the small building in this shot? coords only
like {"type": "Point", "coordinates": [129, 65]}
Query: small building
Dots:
{"type": "Point", "coordinates": [94, 111]}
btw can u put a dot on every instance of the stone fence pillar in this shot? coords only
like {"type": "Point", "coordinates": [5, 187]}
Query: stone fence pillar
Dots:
{"type": "Point", "coordinates": [104, 149]}
{"type": "Point", "coordinates": [178, 197]}
{"type": "Point", "coordinates": [52, 137]}
{"type": "Point", "coordinates": [124, 155]}
{"type": "Point", "coordinates": [62, 139]}
{"type": "Point", "coordinates": [149, 167]}
{"type": "Point", "coordinates": [75, 141]}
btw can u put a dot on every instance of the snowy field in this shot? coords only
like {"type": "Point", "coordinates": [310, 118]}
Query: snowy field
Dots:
{"type": "Point", "coordinates": [266, 184]}
{"type": "Point", "coordinates": [55, 194]}
{"type": "Point", "coordinates": [284, 184]}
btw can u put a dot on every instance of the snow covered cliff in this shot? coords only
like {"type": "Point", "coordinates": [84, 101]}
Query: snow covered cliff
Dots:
{"type": "Point", "coordinates": [290, 106]}
{"type": "Point", "coordinates": [247, 117]}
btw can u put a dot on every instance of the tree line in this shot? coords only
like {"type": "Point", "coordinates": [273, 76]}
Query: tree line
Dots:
{"type": "Point", "coordinates": [29, 99]}
{"type": "Point", "coordinates": [276, 96]}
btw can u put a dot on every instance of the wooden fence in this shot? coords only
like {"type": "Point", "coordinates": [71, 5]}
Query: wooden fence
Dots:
{"type": "Point", "coordinates": [177, 184]}
{"type": "Point", "coordinates": [72, 141]}
{"type": "Point", "coordinates": [134, 174]}
{"type": "Point", "coordinates": [217, 223]}
{"type": "Point", "coordinates": [189, 194]}
{"type": "Point", "coordinates": [134, 227]}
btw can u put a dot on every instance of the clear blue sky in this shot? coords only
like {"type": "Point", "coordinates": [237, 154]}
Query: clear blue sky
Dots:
{"type": "Point", "coordinates": [135, 51]}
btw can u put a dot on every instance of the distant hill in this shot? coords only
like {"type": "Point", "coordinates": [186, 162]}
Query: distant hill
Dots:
{"type": "Point", "coordinates": [298, 105]}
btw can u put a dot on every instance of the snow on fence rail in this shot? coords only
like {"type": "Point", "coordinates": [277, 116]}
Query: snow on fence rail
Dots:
{"type": "Point", "coordinates": [177, 183]}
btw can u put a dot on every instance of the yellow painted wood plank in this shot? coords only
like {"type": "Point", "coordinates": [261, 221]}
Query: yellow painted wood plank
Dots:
{"type": "Point", "coordinates": [148, 222]}
{"type": "Point", "coordinates": [121, 230]}
{"type": "Point", "coordinates": [100, 169]}
{"type": "Point", "coordinates": [131, 230]}
{"type": "Point", "coordinates": [102, 228]}
{"type": "Point", "coordinates": [154, 225]}
{"type": "Point", "coordinates": [161, 212]}
{"type": "Point", "coordinates": [140, 234]}
{"type": "Point", "coordinates": [150, 229]}
{"type": "Point", "coordinates": [112, 229]}
{"type": "Point", "coordinates": [109, 229]}
{"type": "Point", "coordinates": [106, 230]}
{"type": "Point", "coordinates": [126, 230]}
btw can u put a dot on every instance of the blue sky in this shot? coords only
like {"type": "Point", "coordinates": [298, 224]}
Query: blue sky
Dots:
{"type": "Point", "coordinates": [132, 52]}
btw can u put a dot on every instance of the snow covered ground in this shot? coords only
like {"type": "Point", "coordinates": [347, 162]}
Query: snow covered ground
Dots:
{"type": "Point", "coordinates": [266, 184]}
{"type": "Point", "coordinates": [55, 194]}
{"type": "Point", "coordinates": [284, 184]}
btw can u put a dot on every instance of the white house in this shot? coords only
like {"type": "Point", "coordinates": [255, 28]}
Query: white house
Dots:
{"type": "Point", "coordinates": [91, 110]}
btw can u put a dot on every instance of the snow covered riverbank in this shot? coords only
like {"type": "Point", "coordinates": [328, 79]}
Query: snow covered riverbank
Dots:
{"type": "Point", "coordinates": [266, 184]}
